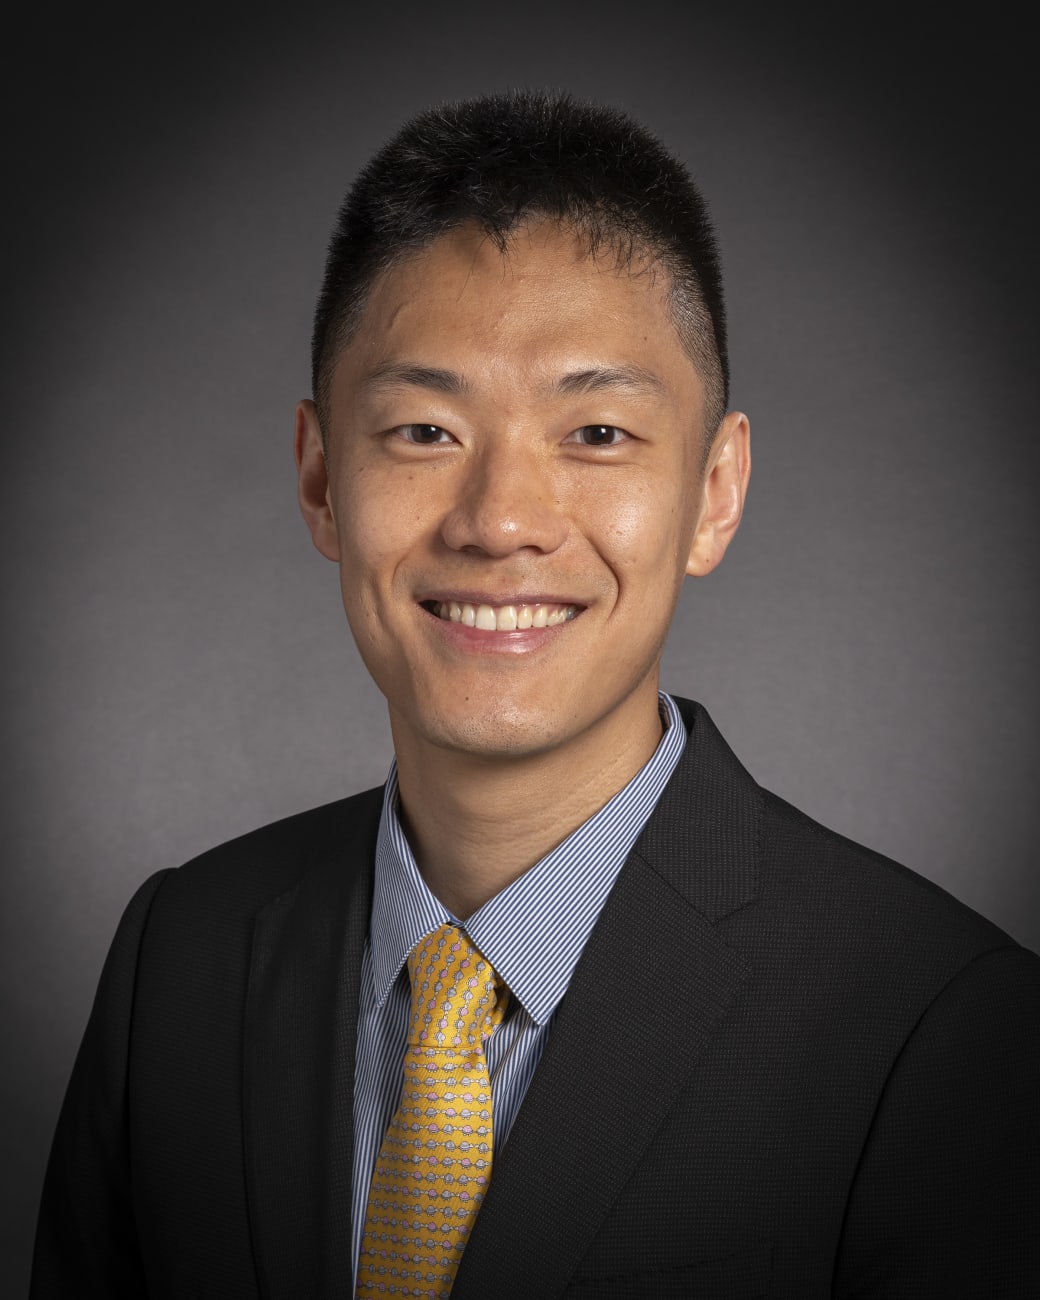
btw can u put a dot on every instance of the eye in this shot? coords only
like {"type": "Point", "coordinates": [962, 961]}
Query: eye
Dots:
{"type": "Point", "coordinates": [598, 435]}
{"type": "Point", "coordinates": [423, 435]}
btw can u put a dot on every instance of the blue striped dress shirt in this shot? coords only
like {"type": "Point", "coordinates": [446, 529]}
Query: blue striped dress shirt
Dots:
{"type": "Point", "coordinates": [532, 933]}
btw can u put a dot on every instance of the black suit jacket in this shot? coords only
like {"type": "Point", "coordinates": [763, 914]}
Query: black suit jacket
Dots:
{"type": "Point", "coordinates": [785, 1066]}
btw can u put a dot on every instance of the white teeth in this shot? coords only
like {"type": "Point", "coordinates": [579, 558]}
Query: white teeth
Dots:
{"type": "Point", "coordinates": [503, 618]}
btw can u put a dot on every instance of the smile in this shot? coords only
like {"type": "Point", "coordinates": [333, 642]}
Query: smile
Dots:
{"type": "Point", "coordinates": [501, 618]}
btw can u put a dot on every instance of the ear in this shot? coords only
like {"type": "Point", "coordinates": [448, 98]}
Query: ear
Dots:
{"type": "Point", "coordinates": [722, 494]}
{"type": "Point", "coordinates": [312, 469]}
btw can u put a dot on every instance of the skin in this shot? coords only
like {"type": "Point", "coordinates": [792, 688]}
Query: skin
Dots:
{"type": "Point", "coordinates": [516, 427]}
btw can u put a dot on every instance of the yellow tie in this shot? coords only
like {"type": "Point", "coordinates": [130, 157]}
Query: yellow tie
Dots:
{"type": "Point", "coordinates": [435, 1161]}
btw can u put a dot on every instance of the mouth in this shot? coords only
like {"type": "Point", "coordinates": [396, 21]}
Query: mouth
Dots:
{"type": "Point", "coordinates": [501, 618]}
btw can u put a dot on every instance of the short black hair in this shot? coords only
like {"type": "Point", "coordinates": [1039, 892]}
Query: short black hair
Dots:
{"type": "Point", "coordinates": [502, 160]}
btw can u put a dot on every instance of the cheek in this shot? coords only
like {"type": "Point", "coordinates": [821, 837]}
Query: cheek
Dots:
{"type": "Point", "coordinates": [646, 534]}
{"type": "Point", "coordinates": [376, 528]}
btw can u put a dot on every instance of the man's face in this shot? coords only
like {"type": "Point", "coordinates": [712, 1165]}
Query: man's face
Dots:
{"type": "Point", "coordinates": [514, 492]}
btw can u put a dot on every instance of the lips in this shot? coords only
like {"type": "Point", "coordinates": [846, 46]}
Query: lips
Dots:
{"type": "Point", "coordinates": [502, 618]}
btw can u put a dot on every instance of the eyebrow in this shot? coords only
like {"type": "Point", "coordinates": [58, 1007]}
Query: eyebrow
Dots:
{"type": "Point", "coordinates": [596, 379]}
{"type": "Point", "coordinates": [403, 374]}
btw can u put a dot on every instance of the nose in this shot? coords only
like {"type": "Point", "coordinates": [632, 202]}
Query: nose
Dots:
{"type": "Point", "coordinates": [505, 503]}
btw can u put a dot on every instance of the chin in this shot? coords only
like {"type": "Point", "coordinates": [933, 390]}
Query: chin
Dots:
{"type": "Point", "coordinates": [499, 733]}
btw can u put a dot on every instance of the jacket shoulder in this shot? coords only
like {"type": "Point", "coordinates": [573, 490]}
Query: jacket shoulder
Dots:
{"type": "Point", "coordinates": [870, 922]}
{"type": "Point", "coordinates": [765, 866]}
{"type": "Point", "coordinates": [793, 835]}
{"type": "Point", "coordinates": [250, 870]}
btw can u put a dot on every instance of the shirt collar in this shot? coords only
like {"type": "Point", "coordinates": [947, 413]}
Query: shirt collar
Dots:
{"type": "Point", "coordinates": [534, 930]}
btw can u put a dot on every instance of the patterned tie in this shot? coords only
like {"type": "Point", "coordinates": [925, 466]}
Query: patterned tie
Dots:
{"type": "Point", "coordinates": [435, 1161]}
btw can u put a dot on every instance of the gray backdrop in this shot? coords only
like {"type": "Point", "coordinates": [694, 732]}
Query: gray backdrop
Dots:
{"type": "Point", "coordinates": [177, 662]}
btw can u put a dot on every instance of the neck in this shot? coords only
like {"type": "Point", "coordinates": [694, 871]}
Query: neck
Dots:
{"type": "Point", "coordinates": [477, 822]}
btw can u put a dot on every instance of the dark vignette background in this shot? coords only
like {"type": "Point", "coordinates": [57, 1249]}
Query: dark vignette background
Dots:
{"type": "Point", "coordinates": [177, 663]}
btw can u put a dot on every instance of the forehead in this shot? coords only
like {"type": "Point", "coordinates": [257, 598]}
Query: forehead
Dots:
{"type": "Point", "coordinates": [523, 314]}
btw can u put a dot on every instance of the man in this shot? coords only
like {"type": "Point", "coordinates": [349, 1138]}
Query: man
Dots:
{"type": "Point", "coordinates": [573, 1008]}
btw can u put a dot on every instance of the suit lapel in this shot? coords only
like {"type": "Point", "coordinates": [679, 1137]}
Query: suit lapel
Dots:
{"type": "Point", "coordinates": [298, 1087]}
{"type": "Point", "coordinates": [614, 1063]}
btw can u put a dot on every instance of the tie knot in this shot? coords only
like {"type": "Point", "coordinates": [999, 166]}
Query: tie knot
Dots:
{"type": "Point", "coordinates": [457, 999]}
